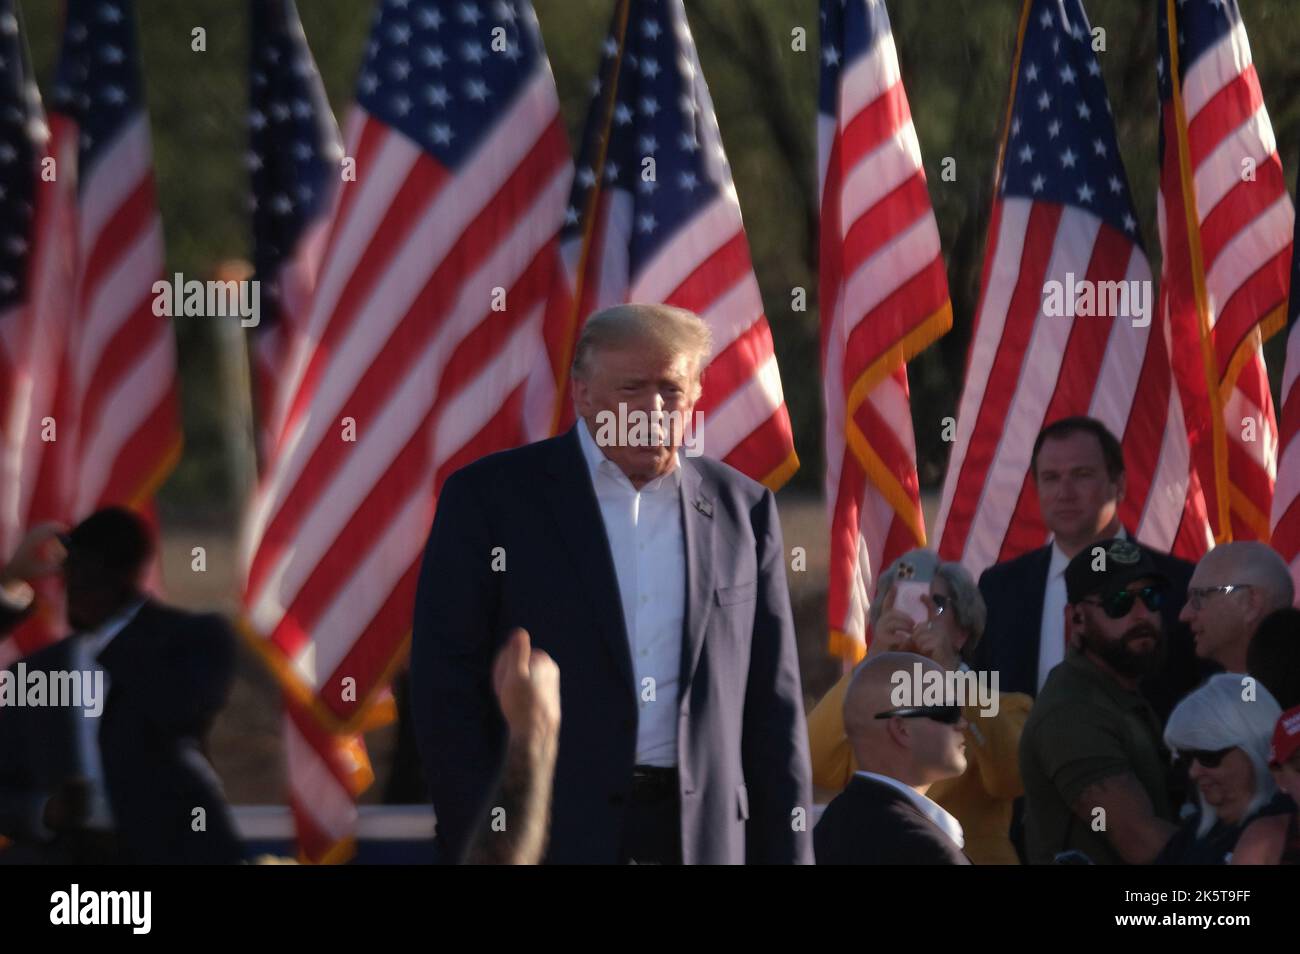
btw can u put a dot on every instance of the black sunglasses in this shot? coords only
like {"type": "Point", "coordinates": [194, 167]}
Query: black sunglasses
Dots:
{"type": "Point", "coordinates": [1210, 758]}
{"type": "Point", "coordinates": [948, 715]}
{"type": "Point", "coordinates": [1119, 604]}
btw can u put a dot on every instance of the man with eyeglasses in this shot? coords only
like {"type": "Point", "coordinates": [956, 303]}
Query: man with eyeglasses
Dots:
{"type": "Point", "coordinates": [1234, 587]}
{"type": "Point", "coordinates": [884, 816]}
{"type": "Point", "coordinates": [1092, 758]}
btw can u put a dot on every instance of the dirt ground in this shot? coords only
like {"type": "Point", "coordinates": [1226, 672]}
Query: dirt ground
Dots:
{"type": "Point", "coordinates": [245, 743]}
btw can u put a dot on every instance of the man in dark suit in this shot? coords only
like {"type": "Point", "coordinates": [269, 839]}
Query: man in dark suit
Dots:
{"type": "Point", "coordinates": [121, 779]}
{"type": "Point", "coordinates": [656, 581]}
{"type": "Point", "coordinates": [883, 816]}
{"type": "Point", "coordinates": [1078, 470]}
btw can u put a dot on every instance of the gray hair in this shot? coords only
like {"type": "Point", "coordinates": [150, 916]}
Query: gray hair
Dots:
{"type": "Point", "coordinates": [925, 564]}
{"type": "Point", "coordinates": [1216, 716]}
{"type": "Point", "coordinates": [671, 330]}
{"type": "Point", "coordinates": [1258, 564]}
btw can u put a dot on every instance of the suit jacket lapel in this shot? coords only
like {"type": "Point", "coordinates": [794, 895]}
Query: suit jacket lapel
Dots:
{"type": "Point", "coordinates": [697, 534]}
{"type": "Point", "coordinates": [573, 503]}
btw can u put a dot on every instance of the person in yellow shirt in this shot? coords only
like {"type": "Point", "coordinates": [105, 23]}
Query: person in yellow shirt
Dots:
{"type": "Point", "coordinates": [981, 798]}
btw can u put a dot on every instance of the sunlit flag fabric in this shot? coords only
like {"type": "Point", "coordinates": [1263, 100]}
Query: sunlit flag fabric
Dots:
{"type": "Point", "coordinates": [1286, 497]}
{"type": "Point", "coordinates": [36, 260]}
{"type": "Point", "coordinates": [1225, 227]}
{"type": "Point", "coordinates": [424, 327]}
{"type": "Point", "coordinates": [654, 218]}
{"type": "Point", "coordinates": [102, 363]}
{"type": "Point", "coordinates": [884, 297]}
{"type": "Point", "coordinates": [294, 161]}
{"type": "Point", "coordinates": [1063, 215]}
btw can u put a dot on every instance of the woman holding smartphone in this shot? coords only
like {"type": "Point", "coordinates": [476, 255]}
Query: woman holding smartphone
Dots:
{"type": "Point", "coordinates": [935, 609]}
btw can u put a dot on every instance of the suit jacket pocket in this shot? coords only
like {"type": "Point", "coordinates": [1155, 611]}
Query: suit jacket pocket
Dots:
{"type": "Point", "coordinates": [743, 592]}
{"type": "Point", "coordinates": [742, 802]}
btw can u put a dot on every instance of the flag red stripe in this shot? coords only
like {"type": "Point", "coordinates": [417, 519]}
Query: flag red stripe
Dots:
{"type": "Point", "coordinates": [877, 121]}
{"type": "Point", "coordinates": [1243, 203]}
{"type": "Point", "coordinates": [903, 309]}
{"type": "Point", "coordinates": [1223, 114]}
{"type": "Point", "coordinates": [733, 367]}
{"type": "Point", "coordinates": [1022, 313]}
{"type": "Point", "coordinates": [885, 221]}
{"type": "Point", "coordinates": [422, 321]}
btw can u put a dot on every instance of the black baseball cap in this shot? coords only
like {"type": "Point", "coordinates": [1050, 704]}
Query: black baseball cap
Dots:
{"type": "Point", "coordinates": [1107, 566]}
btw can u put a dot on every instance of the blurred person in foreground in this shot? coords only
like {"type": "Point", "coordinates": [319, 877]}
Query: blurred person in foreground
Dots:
{"type": "Point", "coordinates": [1235, 586]}
{"type": "Point", "coordinates": [1222, 732]}
{"type": "Point", "coordinates": [125, 780]}
{"type": "Point", "coordinates": [981, 797]}
{"type": "Point", "coordinates": [656, 581]}
{"type": "Point", "coordinates": [1092, 759]}
{"type": "Point", "coordinates": [518, 816]}
{"type": "Point", "coordinates": [1273, 656]}
{"type": "Point", "coordinates": [884, 816]}
{"type": "Point", "coordinates": [1275, 839]}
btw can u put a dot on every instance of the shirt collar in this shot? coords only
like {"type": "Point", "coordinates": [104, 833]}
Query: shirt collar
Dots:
{"type": "Point", "coordinates": [597, 462]}
{"type": "Point", "coordinates": [926, 806]}
{"type": "Point", "coordinates": [97, 639]}
{"type": "Point", "coordinates": [1060, 561]}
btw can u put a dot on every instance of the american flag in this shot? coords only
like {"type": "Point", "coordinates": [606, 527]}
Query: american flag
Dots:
{"type": "Point", "coordinates": [95, 361]}
{"type": "Point", "coordinates": [294, 159]}
{"type": "Point", "coordinates": [1286, 497]}
{"type": "Point", "coordinates": [1225, 226]}
{"type": "Point", "coordinates": [36, 263]}
{"type": "Point", "coordinates": [1063, 212]}
{"type": "Point", "coordinates": [884, 297]}
{"type": "Point", "coordinates": [421, 340]}
{"type": "Point", "coordinates": [654, 218]}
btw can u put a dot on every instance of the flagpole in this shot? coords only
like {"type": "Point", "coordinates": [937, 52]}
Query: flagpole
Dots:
{"type": "Point", "coordinates": [589, 223]}
{"type": "Point", "coordinates": [1196, 262]}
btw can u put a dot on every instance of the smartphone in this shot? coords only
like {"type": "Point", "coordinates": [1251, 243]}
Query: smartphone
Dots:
{"type": "Point", "coordinates": [907, 599]}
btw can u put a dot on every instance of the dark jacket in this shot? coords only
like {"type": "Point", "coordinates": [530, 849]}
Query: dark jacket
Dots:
{"type": "Point", "coordinates": [168, 675]}
{"type": "Point", "coordinates": [871, 823]}
{"type": "Point", "coordinates": [1186, 847]}
{"type": "Point", "coordinates": [742, 746]}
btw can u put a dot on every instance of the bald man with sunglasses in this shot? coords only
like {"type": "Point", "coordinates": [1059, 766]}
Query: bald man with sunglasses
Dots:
{"type": "Point", "coordinates": [1092, 757]}
{"type": "Point", "coordinates": [884, 816]}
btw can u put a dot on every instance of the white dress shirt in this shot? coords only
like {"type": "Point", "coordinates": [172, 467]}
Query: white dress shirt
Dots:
{"type": "Point", "coordinates": [88, 647]}
{"type": "Point", "coordinates": [644, 529]}
{"type": "Point", "coordinates": [1051, 646]}
{"type": "Point", "coordinates": [932, 810]}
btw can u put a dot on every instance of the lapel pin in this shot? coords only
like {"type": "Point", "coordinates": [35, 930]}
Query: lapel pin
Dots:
{"type": "Point", "coordinates": [704, 507]}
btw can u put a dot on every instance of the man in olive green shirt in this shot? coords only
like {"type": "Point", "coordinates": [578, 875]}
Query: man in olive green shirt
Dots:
{"type": "Point", "coordinates": [1094, 767]}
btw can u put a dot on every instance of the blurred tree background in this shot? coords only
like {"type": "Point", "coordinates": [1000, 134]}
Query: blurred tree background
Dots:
{"type": "Point", "coordinates": [955, 57]}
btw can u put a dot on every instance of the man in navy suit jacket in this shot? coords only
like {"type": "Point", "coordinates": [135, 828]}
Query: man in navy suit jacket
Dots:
{"type": "Point", "coordinates": [656, 582]}
{"type": "Point", "coordinates": [1078, 469]}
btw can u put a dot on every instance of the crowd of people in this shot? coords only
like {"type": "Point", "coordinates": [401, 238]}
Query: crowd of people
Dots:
{"type": "Point", "coordinates": [604, 671]}
{"type": "Point", "coordinates": [1164, 730]}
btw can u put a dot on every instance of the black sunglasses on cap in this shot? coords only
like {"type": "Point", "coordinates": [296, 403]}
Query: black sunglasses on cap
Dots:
{"type": "Point", "coordinates": [1119, 604]}
{"type": "Point", "coordinates": [948, 715]}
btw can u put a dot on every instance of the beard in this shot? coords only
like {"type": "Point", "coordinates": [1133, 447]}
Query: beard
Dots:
{"type": "Point", "coordinates": [1119, 653]}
